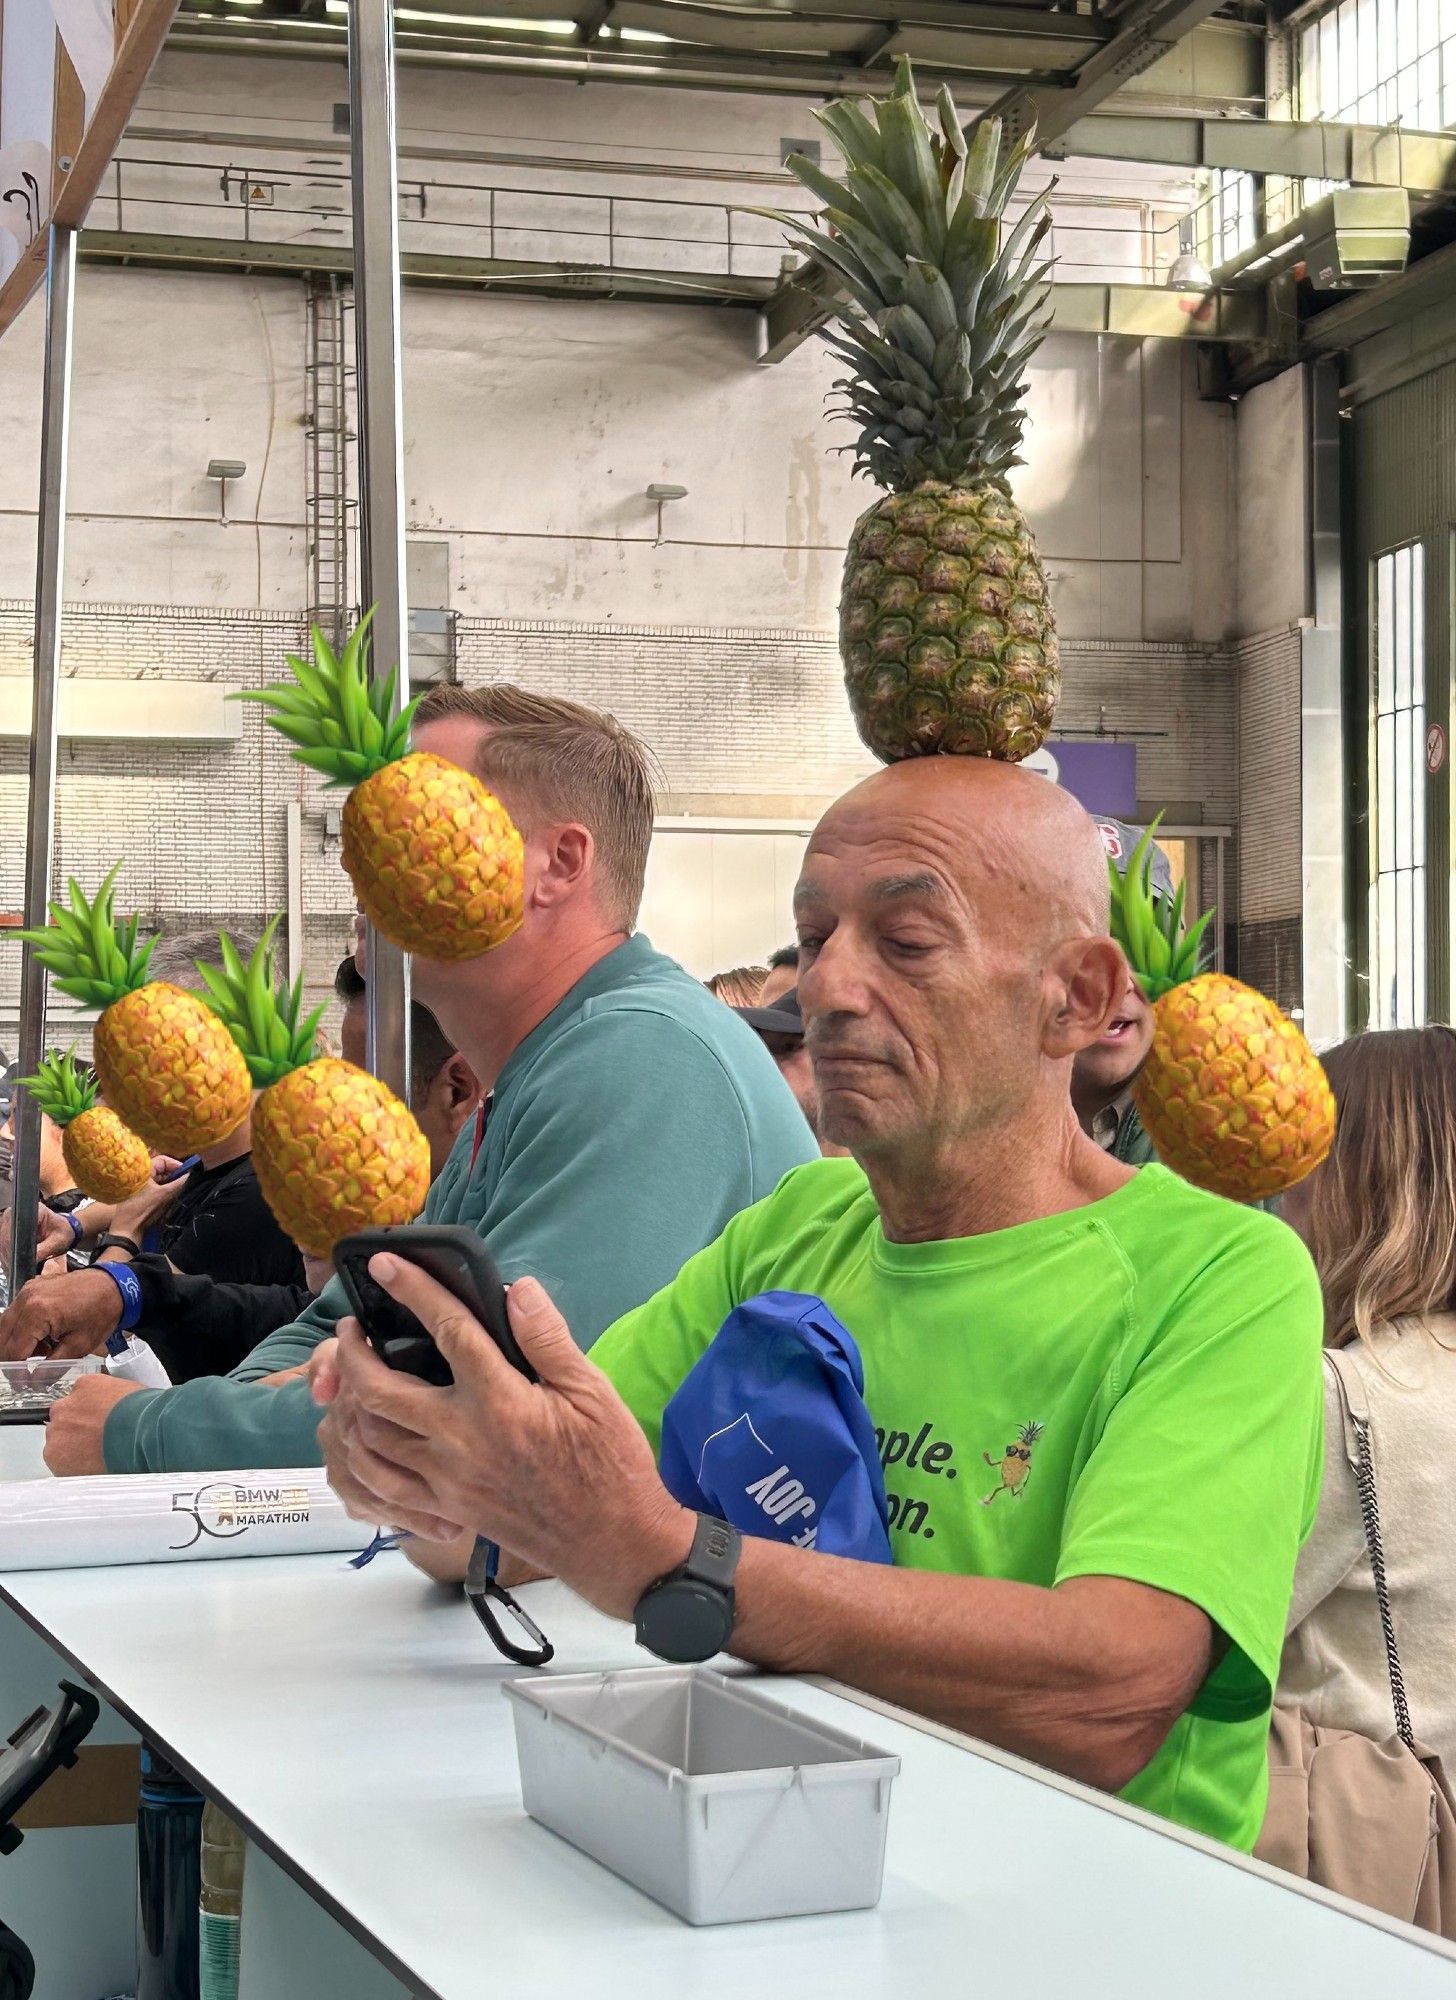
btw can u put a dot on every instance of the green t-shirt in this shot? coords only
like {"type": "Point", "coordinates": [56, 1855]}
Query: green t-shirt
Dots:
{"type": "Point", "coordinates": [1131, 1389]}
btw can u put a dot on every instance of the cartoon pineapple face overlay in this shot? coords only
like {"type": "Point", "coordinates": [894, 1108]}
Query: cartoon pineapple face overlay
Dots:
{"type": "Point", "coordinates": [1014, 1465]}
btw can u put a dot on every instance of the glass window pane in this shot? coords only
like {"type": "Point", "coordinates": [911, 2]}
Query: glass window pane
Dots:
{"type": "Point", "coordinates": [1400, 632]}
{"type": "Point", "coordinates": [1383, 995]}
{"type": "Point", "coordinates": [1418, 948]}
{"type": "Point", "coordinates": [1384, 629]}
{"type": "Point", "coordinates": [1308, 86]}
{"type": "Point", "coordinates": [1384, 819]}
{"type": "Point", "coordinates": [1418, 624]}
{"type": "Point", "coordinates": [1329, 75]}
{"type": "Point", "coordinates": [1403, 807]}
{"type": "Point", "coordinates": [1406, 49]}
{"type": "Point", "coordinates": [1349, 58]}
{"type": "Point", "coordinates": [1418, 786]}
{"type": "Point", "coordinates": [1387, 60]}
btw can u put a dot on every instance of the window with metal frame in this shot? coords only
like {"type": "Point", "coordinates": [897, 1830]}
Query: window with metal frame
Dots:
{"type": "Point", "coordinates": [1398, 791]}
{"type": "Point", "coordinates": [1378, 62]}
{"type": "Point", "coordinates": [1228, 216]}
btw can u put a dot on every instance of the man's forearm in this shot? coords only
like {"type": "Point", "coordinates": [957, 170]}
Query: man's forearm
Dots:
{"type": "Point", "coordinates": [216, 1424]}
{"type": "Point", "coordinates": [1065, 1677]}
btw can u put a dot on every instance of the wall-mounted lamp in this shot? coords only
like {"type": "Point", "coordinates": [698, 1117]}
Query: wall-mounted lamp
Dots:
{"type": "Point", "coordinates": [662, 494]}
{"type": "Point", "coordinates": [223, 470]}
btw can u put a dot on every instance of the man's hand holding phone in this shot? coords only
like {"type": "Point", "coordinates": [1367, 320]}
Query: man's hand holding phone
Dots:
{"type": "Point", "coordinates": [555, 1470]}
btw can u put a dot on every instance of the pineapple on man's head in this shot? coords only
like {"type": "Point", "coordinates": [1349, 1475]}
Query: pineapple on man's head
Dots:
{"type": "Point", "coordinates": [947, 636]}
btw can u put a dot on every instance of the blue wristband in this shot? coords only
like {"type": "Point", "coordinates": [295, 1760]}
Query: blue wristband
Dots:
{"type": "Point", "coordinates": [129, 1285]}
{"type": "Point", "coordinates": [71, 1216]}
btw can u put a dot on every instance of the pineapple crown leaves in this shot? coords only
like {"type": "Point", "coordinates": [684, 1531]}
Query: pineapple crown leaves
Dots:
{"type": "Point", "coordinates": [1029, 1433]}
{"type": "Point", "coordinates": [939, 311]}
{"type": "Point", "coordinates": [91, 956]}
{"type": "Point", "coordinates": [338, 719]}
{"type": "Point", "coordinates": [1149, 928]}
{"type": "Point", "coordinates": [62, 1087]}
{"type": "Point", "coordinates": [261, 1016]}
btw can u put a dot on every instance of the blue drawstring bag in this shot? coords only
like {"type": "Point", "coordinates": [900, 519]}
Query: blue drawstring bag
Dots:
{"type": "Point", "coordinates": [770, 1433]}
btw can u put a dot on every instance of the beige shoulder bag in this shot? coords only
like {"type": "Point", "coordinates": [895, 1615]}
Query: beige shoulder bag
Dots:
{"type": "Point", "coordinates": [1372, 1821]}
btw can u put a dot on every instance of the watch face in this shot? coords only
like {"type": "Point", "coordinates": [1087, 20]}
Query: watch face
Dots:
{"type": "Point", "coordinates": [684, 1621]}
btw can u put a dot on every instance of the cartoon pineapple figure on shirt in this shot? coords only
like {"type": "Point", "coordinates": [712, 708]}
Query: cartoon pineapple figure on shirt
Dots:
{"type": "Point", "coordinates": [1014, 1465]}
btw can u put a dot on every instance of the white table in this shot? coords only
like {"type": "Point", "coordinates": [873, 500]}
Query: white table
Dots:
{"type": "Point", "coordinates": [351, 1722]}
{"type": "Point", "coordinates": [69, 1891]}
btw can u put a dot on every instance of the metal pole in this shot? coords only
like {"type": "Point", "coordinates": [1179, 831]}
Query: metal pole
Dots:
{"type": "Point", "coordinates": [39, 841]}
{"type": "Point", "coordinates": [375, 171]}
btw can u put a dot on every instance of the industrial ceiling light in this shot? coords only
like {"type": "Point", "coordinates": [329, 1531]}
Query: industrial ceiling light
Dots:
{"type": "Point", "coordinates": [1188, 272]}
{"type": "Point", "coordinates": [223, 470]}
{"type": "Point", "coordinates": [662, 494]}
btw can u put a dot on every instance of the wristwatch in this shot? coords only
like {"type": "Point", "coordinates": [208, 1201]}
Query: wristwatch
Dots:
{"type": "Point", "coordinates": [110, 1242]}
{"type": "Point", "coordinates": [687, 1615]}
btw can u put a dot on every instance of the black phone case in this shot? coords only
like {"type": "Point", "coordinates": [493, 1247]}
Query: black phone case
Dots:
{"type": "Point", "coordinates": [455, 1258]}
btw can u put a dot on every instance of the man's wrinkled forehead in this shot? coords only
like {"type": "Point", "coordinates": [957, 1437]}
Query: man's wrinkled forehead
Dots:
{"type": "Point", "coordinates": [862, 851]}
{"type": "Point", "coordinates": [893, 881]}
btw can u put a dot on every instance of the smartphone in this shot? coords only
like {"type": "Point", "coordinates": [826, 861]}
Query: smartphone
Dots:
{"type": "Point", "coordinates": [455, 1258]}
{"type": "Point", "coordinates": [182, 1168]}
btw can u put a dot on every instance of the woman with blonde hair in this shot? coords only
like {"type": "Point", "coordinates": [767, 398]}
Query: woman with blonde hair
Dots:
{"type": "Point", "coordinates": [1379, 1219]}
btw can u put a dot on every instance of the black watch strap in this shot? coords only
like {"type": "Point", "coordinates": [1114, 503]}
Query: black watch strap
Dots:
{"type": "Point", "coordinates": [713, 1557]}
{"type": "Point", "coordinates": [687, 1615]}
{"type": "Point", "coordinates": [110, 1242]}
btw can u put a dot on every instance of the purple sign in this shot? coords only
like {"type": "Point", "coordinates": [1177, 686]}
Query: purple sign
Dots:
{"type": "Point", "coordinates": [1100, 776]}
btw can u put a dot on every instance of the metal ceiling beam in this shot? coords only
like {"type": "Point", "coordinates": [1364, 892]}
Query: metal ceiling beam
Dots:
{"type": "Point", "coordinates": [1144, 33]}
{"type": "Point", "coordinates": [677, 67]}
{"type": "Point", "coordinates": [879, 45]}
{"type": "Point", "coordinates": [1367, 155]}
{"type": "Point", "coordinates": [1428, 283]}
{"type": "Point", "coordinates": [592, 23]}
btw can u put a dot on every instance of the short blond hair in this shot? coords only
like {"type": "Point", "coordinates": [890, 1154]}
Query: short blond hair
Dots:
{"type": "Point", "coordinates": [738, 987]}
{"type": "Point", "coordinates": [567, 763]}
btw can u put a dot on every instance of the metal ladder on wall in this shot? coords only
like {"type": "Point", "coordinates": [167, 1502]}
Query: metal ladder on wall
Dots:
{"type": "Point", "coordinates": [331, 433]}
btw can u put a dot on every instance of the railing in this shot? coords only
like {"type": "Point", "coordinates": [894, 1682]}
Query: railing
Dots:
{"type": "Point", "coordinates": [1096, 240]}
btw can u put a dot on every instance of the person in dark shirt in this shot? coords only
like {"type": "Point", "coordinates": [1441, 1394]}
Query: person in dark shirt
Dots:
{"type": "Point", "coordinates": [200, 1318]}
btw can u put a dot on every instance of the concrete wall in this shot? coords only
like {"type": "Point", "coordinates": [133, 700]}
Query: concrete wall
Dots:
{"type": "Point", "coordinates": [534, 428]}
{"type": "Point", "coordinates": [1271, 603]}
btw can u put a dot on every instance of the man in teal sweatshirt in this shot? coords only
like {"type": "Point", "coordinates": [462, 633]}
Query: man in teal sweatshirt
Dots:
{"type": "Point", "coordinates": [631, 1115]}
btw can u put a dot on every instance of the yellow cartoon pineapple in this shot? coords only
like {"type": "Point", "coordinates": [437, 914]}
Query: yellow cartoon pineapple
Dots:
{"type": "Point", "coordinates": [1014, 1465]}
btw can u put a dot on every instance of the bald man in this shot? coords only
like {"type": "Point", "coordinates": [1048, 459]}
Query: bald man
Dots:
{"type": "Point", "coordinates": [1096, 1392]}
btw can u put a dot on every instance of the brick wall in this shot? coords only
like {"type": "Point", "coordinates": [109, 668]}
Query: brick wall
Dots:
{"type": "Point", "coordinates": [743, 721]}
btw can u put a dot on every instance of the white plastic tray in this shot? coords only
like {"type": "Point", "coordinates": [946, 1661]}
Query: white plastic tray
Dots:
{"type": "Point", "coordinates": [703, 1790]}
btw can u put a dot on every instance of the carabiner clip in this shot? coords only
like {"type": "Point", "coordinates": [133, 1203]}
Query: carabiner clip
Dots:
{"type": "Point", "coordinates": [484, 1593]}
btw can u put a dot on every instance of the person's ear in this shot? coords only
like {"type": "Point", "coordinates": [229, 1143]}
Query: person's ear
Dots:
{"type": "Point", "coordinates": [566, 856]}
{"type": "Point", "coordinates": [1086, 979]}
{"type": "Point", "coordinates": [456, 1092]}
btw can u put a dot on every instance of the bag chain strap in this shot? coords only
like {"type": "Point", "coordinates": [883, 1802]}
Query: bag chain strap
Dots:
{"type": "Point", "coordinates": [1370, 1517]}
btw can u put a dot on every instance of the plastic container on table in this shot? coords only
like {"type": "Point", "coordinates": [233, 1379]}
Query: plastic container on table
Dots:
{"type": "Point", "coordinates": [706, 1792]}
{"type": "Point", "coordinates": [29, 1388]}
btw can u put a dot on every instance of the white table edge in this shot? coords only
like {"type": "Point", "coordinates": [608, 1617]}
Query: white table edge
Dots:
{"type": "Point", "coordinates": [409, 1978]}
{"type": "Point", "coordinates": [1164, 1829]}
{"type": "Point", "coordinates": [299, 1876]}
